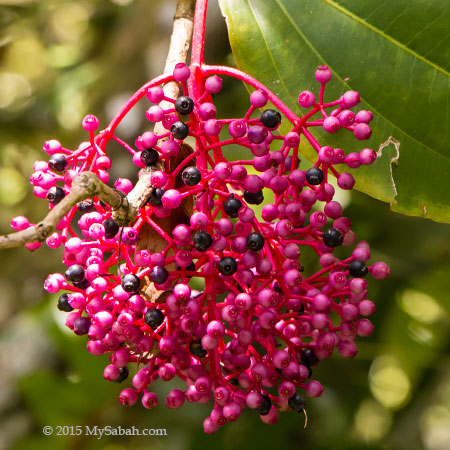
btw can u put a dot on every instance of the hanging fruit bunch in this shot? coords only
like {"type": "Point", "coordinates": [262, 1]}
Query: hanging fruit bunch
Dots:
{"type": "Point", "coordinates": [193, 283]}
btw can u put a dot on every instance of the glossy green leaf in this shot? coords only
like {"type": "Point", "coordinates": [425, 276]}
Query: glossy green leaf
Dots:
{"type": "Point", "coordinates": [396, 54]}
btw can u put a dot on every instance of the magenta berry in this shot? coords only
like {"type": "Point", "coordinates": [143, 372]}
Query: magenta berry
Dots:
{"type": "Point", "coordinates": [90, 123]}
{"type": "Point", "coordinates": [213, 84]}
{"type": "Point", "coordinates": [323, 74]}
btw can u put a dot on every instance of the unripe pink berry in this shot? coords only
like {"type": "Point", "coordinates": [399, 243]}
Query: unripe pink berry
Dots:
{"type": "Point", "coordinates": [362, 131]}
{"type": "Point", "coordinates": [181, 72]}
{"type": "Point", "coordinates": [124, 185]}
{"type": "Point", "coordinates": [213, 84]}
{"type": "Point", "coordinates": [314, 388]}
{"type": "Point", "coordinates": [380, 270]}
{"type": "Point", "coordinates": [331, 124]}
{"type": "Point", "coordinates": [90, 123]}
{"type": "Point", "coordinates": [307, 98]}
{"type": "Point", "coordinates": [258, 98]}
{"type": "Point", "coordinates": [350, 99]}
{"type": "Point", "coordinates": [155, 94]}
{"type": "Point", "coordinates": [323, 74]}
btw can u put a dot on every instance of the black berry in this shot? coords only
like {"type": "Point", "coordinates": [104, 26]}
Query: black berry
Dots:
{"type": "Point", "coordinates": [195, 347]}
{"type": "Point", "coordinates": [191, 176]}
{"type": "Point", "coordinates": [179, 130]}
{"type": "Point", "coordinates": [83, 284]}
{"type": "Point", "coordinates": [202, 241]}
{"type": "Point", "coordinates": [111, 228]}
{"type": "Point", "coordinates": [231, 206]}
{"type": "Point", "coordinates": [124, 372]}
{"type": "Point", "coordinates": [266, 405]}
{"type": "Point", "coordinates": [55, 194]}
{"type": "Point", "coordinates": [314, 176]}
{"type": "Point", "coordinates": [86, 206]}
{"type": "Point", "coordinates": [75, 273]}
{"type": "Point", "coordinates": [255, 242]}
{"type": "Point", "coordinates": [357, 269]}
{"type": "Point", "coordinates": [227, 266]}
{"type": "Point", "coordinates": [155, 197]}
{"type": "Point", "coordinates": [270, 118]}
{"type": "Point", "coordinates": [149, 156]}
{"type": "Point", "coordinates": [332, 237]}
{"type": "Point", "coordinates": [154, 318]}
{"type": "Point", "coordinates": [184, 105]}
{"type": "Point", "coordinates": [297, 402]}
{"type": "Point", "coordinates": [308, 357]}
{"type": "Point", "coordinates": [81, 325]}
{"type": "Point", "coordinates": [255, 198]}
{"type": "Point", "coordinates": [131, 283]}
{"type": "Point", "coordinates": [63, 303]}
{"type": "Point", "coordinates": [159, 275]}
{"type": "Point", "coordinates": [57, 162]}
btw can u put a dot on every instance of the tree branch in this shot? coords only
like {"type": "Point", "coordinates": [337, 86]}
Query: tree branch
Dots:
{"type": "Point", "coordinates": [85, 185]}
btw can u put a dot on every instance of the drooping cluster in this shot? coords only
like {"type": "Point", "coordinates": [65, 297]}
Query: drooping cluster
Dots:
{"type": "Point", "coordinates": [204, 284]}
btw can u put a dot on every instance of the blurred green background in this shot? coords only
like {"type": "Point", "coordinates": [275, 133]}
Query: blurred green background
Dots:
{"type": "Point", "coordinates": [61, 60]}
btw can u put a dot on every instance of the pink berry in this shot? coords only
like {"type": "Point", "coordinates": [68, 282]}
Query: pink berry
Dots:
{"type": "Point", "coordinates": [323, 74]}
{"type": "Point", "coordinates": [181, 72]}
{"type": "Point", "coordinates": [362, 131]}
{"type": "Point", "coordinates": [350, 99]}
{"type": "Point", "coordinates": [307, 98]}
{"type": "Point", "coordinates": [90, 123]}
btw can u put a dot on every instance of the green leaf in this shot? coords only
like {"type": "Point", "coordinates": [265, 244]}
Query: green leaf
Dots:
{"type": "Point", "coordinates": [396, 54]}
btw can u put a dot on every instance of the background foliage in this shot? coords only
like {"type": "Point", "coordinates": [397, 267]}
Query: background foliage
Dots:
{"type": "Point", "coordinates": [61, 60]}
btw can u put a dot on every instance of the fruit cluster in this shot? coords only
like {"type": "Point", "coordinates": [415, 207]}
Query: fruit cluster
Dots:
{"type": "Point", "coordinates": [203, 284]}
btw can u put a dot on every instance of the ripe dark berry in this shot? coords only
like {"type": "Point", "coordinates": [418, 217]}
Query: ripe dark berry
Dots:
{"type": "Point", "coordinates": [308, 357]}
{"type": "Point", "coordinates": [314, 176]}
{"type": "Point", "coordinates": [297, 402]}
{"type": "Point", "coordinates": [270, 118]}
{"type": "Point", "coordinates": [159, 275]}
{"type": "Point", "coordinates": [111, 228]}
{"type": "Point", "coordinates": [63, 303]}
{"type": "Point", "coordinates": [266, 405]}
{"type": "Point", "coordinates": [55, 194]}
{"type": "Point", "coordinates": [154, 318]}
{"type": "Point", "coordinates": [124, 372]}
{"type": "Point", "coordinates": [191, 267]}
{"type": "Point", "coordinates": [184, 105]}
{"type": "Point", "coordinates": [227, 266]}
{"type": "Point", "coordinates": [83, 284]}
{"type": "Point", "coordinates": [149, 156]}
{"type": "Point", "coordinates": [81, 325]}
{"type": "Point", "coordinates": [57, 162]}
{"type": "Point", "coordinates": [191, 176]}
{"type": "Point", "coordinates": [202, 241]}
{"type": "Point", "coordinates": [332, 237]}
{"type": "Point", "coordinates": [75, 273]}
{"type": "Point", "coordinates": [357, 269]}
{"type": "Point", "coordinates": [195, 347]}
{"type": "Point", "coordinates": [254, 198]}
{"type": "Point", "coordinates": [155, 197]}
{"type": "Point", "coordinates": [179, 130]}
{"type": "Point", "coordinates": [232, 205]}
{"type": "Point", "coordinates": [255, 242]}
{"type": "Point", "coordinates": [86, 206]}
{"type": "Point", "coordinates": [130, 283]}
